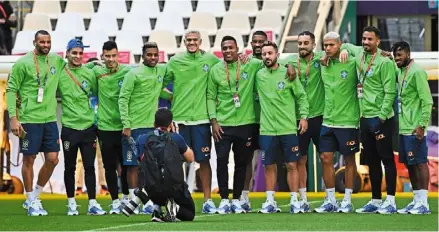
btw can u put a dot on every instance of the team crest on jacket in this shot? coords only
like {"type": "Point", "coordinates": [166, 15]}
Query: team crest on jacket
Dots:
{"type": "Point", "coordinates": [344, 74]}
{"type": "Point", "coordinates": [53, 70]}
{"type": "Point", "coordinates": [244, 75]}
{"type": "Point", "coordinates": [205, 67]}
{"type": "Point", "coordinates": [281, 85]}
{"type": "Point", "coordinates": [84, 84]}
{"type": "Point", "coordinates": [316, 65]}
{"type": "Point", "coordinates": [160, 79]}
{"type": "Point", "coordinates": [120, 83]}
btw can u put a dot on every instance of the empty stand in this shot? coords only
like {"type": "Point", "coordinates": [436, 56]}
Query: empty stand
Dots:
{"type": "Point", "coordinates": [181, 7]}
{"type": "Point", "coordinates": [105, 22]}
{"type": "Point", "coordinates": [116, 7]}
{"type": "Point", "coordinates": [71, 23]}
{"type": "Point", "coordinates": [238, 21]}
{"type": "Point", "coordinates": [203, 21]}
{"type": "Point", "coordinates": [250, 7]}
{"type": "Point", "coordinates": [50, 8]}
{"type": "Point", "coordinates": [148, 8]}
{"type": "Point", "coordinates": [215, 7]}
{"type": "Point", "coordinates": [37, 21]}
{"type": "Point", "coordinates": [170, 21]}
{"type": "Point", "coordinates": [165, 40]}
{"type": "Point", "coordinates": [83, 7]}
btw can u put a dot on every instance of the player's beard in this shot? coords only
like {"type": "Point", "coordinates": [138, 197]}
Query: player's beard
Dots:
{"type": "Point", "coordinates": [41, 51]}
{"type": "Point", "coordinates": [271, 63]}
{"type": "Point", "coordinates": [306, 54]}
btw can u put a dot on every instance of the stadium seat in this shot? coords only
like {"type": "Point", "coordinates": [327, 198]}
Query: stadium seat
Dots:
{"type": "Point", "coordinates": [149, 8]}
{"type": "Point", "coordinates": [105, 22]}
{"type": "Point", "coordinates": [215, 7]}
{"type": "Point", "coordinates": [232, 32]}
{"type": "Point", "coordinates": [268, 20]}
{"type": "Point", "coordinates": [171, 21]}
{"type": "Point", "coordinates": [183, 7]}
{"type": "Point", "coordinates": [36, 21]}
{"type": "Point", "coordinates": [115, 7]}
{"type": "Point", "coordinates": [205, 43]}
{"type": "Point", "coordinates": [95, 39]}
{"type": "Point", "coordinates": [137, 22]}
{"type": "Point", "coordinates": [71, 22]}
{"type": "Point", "coordinates": [51, 8]}
{"type": "Point", "coordinates": [23, 42]}
{"type": "Point", "coordinates": [203, 21]}
{"type": "Point", "coordinates": [83, 7]}
{"type": "Point", "coordinates": [60, 40]}
{"type": "Point", "coordinates": [165, 40]}
{"type": "Point", "coordinates": [250, 7]}
{"type": "Point", "coordinates": [281, 6]}
{"type": "Point", "coordinates": [238, 21]}
{"type": "Point", "coordinates": [129, 40]}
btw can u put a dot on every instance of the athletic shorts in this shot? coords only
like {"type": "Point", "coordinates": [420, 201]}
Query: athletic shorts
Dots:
{"type": "Point", "coordinates": [40, 137]}
{"type": "Point", "coordinates": [344, 140]}
{"type": "Point", "coordinates": [198, 137]}
{"type": "Point", "coordinates": [130, 156]}
{"type": "Point", "coordinates": [313, 132]}
{"type": "Point", "coordinates": [272, 146]}
{"type": "Point", "coordinates": [412, 150]}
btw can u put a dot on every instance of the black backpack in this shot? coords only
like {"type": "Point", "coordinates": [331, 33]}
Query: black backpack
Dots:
{"type": "Point", "coordinates": [161, 165]}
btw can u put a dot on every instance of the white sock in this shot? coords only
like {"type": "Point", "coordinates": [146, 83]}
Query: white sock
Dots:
{"type": "Point", "coordinates": [125, 197]}
{"type": "Point", "coordinates": [244, 195]}
{"type": "Point", "coordinates": [116, 201]}
{"type": "Point", "coordinates": [293, 196]}
{"type": "Point", "coordinates": [390, 198]}
{"type": "Point", "coordinates": [270, 195]}
{"type": "Point", "coordinates": [92, 202]}
{"type": "Point", "coordinates": [330, 194]}
{"type": "Point", "coordinates": [37, 191]}
{"type": "Point", "coordinates": [347, 195]}
{"type": "Point", "coordinates": [415, 195]}
{"type": "Point", "coordinates": [302, 192]}
{"type": "Point", "coordinates": [71, 200]}
{"type": "Point", "coordinates": [29, 197]}
{"type": "Point", "coordinates": [423, 196]}
{"type": "Point", "coordinates": [131, 192]}
{"type": "Point", "coordinates": [377, 201]}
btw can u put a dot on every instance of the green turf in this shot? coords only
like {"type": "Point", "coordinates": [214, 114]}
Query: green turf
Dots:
{"type": "Point", "coordinates": [14, 217]}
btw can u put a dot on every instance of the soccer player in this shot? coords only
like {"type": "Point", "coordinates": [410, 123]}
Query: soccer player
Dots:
{"type": "Point", "coordinates": [230, 103]}
{"type": "Point", "coordinates": [110, 78]}
{"type": "Point", "coordinates": [307, 64]}
{"type": "Point", "coordinates": [341, 119]}
{"type": "Point", "coordinates": [414, 106]}
{"type": "Point", "coordinates": [279, 126]}
{"type": "Point", "coordinates": [34, 79]}
{"type": "Point", "coordinates": [258, 40]}
{"type": "Point", "coordinates": [376, 93]}
{"type": "Point", "coordinates": [189, 73]}
{"type": "Point", "coordinates": [76, 86]}
{"type": "Point", "coordinates": [138, 102]}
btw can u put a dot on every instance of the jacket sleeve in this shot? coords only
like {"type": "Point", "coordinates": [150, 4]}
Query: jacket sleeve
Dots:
{"type": "Point", "coordinates": [212, 94]}
{"type": "Point", "coordinates": [124, 98]}
{"type": "Point", "coordinates": [301, 98]}
{"type": "Point", "coordinates": [389, 82]}
{"type": "Point", "coordinates": [14, 83]}
{"type": "Point", "coordinates": [165, 93]}
{"type": "Point", "coordinates": [424, 94]}
{"type": "Point", "coordinates": [352, 49]}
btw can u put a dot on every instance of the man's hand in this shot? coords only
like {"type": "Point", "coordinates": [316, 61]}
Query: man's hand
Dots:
{"type": "Point", "coordinates": [303, 126]}
{"type": "Point", "coordinates": [2, 21]}
{"type": "Point", "coordinates": [419, 132]}
{"type": "Point", "coordinates": [217, 130]}
{"type": "Point", "coordinates": [344, 56]}
{"type": "Point", "coordinates": [127, 132]}
{"type": "Point", "coordinates": [291, 72]}
{"type": "Point", "coordinates": [386, 54]}
{"type": "Point", "coordinates": [243, 58]}
{"type": "Point", "coordinates": [324, 60]}
{"type": "Point", "coordinates": [12, 17]}
{"type": "Point", "coordinates": [16, 127]}
{"type": "Point", "coordinates": [174, 127]}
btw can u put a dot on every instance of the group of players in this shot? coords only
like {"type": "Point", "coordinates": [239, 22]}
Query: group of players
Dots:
{"type": "Point", "coordinates": [251, 102]}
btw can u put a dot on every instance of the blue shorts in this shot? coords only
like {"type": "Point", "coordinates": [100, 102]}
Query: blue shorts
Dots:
{"type": "Point", "coordinates": [40, 137]}
{"type": "Point", "coordinates": [198, 137]}
{"type": "Point", "coordinates": [412, 150]}
{"type": "Point", "coordinates": [344, 140]}
{"type": "Point", "coordinates": [129, 156]}
{"type": "Point", "coordinates": [288, 144]}
{"type": "Point", "coordinates": [313, 133]}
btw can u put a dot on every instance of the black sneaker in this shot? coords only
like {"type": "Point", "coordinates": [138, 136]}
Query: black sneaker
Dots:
{"type": "Point", "coordinates": [157, 216]}
{"type": "Point", "coordinates": [171, 210]}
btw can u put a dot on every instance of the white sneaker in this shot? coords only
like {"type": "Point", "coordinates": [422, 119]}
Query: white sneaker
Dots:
{"type": "Point", "coordinates": [388, 207]}
{"type": "Point", "coordinates": [269, 207]}
{"type": "Point", "coordinates": [224, 207]}
{"type": "Point", "coordinates": [327, 207]}
{"type": "Point", "coordinates": [406, 209]}
{"type": "Point", "coordinates": [295, 207]}
{"type": "Point", "coordinates": [371, 207]}
{"type": "Point", "coordinates": [420, 208]}
{"type": "Point", "coordinates": [148, 208]}
{"type": "Point", "coordinates": [94, 208]}
{"type": "Point", "coordinates": [209, 207]}
{"type": "Point", "coordinates": [35, 208]}
{"type": "Point", "coordinates": [345, 207]}
{"type": "Point", "coordinates": [72, 209]}
{"type": "Point", "coordinates": [245, 204]}
{"type": "Point", "coordinates": [236, 207]}
{"type": "Point", "coordinates": [116, 207]}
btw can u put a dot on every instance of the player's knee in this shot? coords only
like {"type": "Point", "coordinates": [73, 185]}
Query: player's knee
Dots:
{"type": "Point", "coordinates": [52, 160]}
{"type": "Point", "coordinates": [422, 166]}
{"type": "Point", "coordinates": [302, 161]}
{"type": "Point", "coordinates": [28, 160]}
{"type": "Point", "coordinates": [292, 166]}
{"type": "Point", "coordinates": [326, 159]}
{"type": "Point", "coordinates": [350, 160]}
